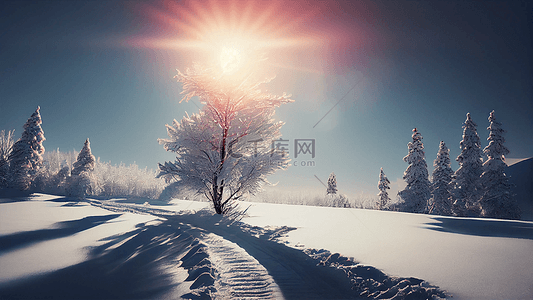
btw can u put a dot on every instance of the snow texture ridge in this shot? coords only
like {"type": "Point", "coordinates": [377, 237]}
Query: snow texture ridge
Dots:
{"type": "Point", "coordinates": [371, 283]}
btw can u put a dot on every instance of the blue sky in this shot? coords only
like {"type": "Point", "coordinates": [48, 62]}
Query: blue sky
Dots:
{"type": "Point", "coordinates": [420, 64]}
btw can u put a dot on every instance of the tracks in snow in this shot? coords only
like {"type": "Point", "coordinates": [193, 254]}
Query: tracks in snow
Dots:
{"type": "Point", "coordinates": [239, 275]}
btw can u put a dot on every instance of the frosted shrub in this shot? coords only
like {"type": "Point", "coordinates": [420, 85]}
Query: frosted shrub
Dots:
{"type": "Point", "coordinates": [336, 200]}
{"type": "Point", "coordinates": [107, 180]}
{"type": "Point", "coordinates": [127, 181]}
{"type": "Point", "coordinates": [311, 198]}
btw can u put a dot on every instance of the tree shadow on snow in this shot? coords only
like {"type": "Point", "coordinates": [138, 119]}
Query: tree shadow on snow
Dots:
{"type": "Point", "coordinates": [483, 227]}
{"type": "Point", "coordinates": [61, 229]}
{"type": "Point", "coordinates": [69, 202]}
{"type": "Point", "coordinates": [135, 265]}
{"type": "Point", "coordinates": [9, 195]}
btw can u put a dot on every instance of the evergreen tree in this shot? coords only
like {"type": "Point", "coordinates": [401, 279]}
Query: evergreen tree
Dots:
{"type": "Point", "coordinates": [332, 184]}
{"type": "Point", "coordinates": [466, 185]}
{"type": "Point", "coordinates": [6, 145]}
{"type": "Point", "coordinates": [82, 179]}
{"type": "Point", "coordinates": [383, 186]}
{"type": "Point", "coordinates": [441, 202]}
{"type": "Point", "coordinates": [496, 200]}
{"type": "Point", "coordinates": [85, 161]}
{"type": "Point", "coordinates": [26, 159]}
{"type": "Point", "coordinates": [416, 194]}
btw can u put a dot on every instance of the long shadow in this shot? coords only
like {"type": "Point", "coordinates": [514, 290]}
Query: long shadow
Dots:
{"type": "Point", "coordinates": [480, 227]}
{"type": "Point", "coordinates": [61, 229]}
{"type": "Point", "coordinates": [128, 200]}
{"type": "Point", "coordinates": [63, 199]}
{"type": "Point", "coordinates": [133, 265]}
{"type": "Point", "coordinates": [12, 195]}
{"type": "Point", "coordinates": [69, 202]}
{"type": "Point", "coordinates": [14, 199]}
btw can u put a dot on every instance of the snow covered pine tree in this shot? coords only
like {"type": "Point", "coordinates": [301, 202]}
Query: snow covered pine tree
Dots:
{"type": "Point", "coordinates": [332, 198]}
{"type": "Point", "coordinates": [26, 158]}
{"type": "Point", "coordinates": [332, 184]}
{"type": "Point", "coordinates": [6, 145]}
{"type": "Point", "coordinates": [416, 194]}
{"type": "Point", "coordinates": [465, 182]}
{"type": "Point", "coordinates": [441, 201]}
{"type": "Point", "coordinates": [497, 200]}
{"type": "Point", "coordinates": [82, 180]}
{"type": "Point", "coordinates": [223, 152]}
{"type": "Point", "coordinates": [383, 186]}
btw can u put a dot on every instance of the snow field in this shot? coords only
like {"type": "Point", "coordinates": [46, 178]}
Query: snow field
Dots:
{"type": "Point", "coordinates": [49, 244]}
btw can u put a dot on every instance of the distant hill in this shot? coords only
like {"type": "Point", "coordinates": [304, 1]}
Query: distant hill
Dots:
{"type": "Point", "coordinates": [521, 175]}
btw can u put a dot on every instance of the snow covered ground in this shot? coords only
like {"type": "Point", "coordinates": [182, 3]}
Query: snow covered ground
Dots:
{"type": "Point", "coordinates": [50, 246]}
{"type": "Point", "coordinates": [470, 258]}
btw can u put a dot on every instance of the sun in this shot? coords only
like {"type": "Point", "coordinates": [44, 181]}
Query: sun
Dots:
{"type": "Point", "coordinates": [232, 35]}
{"type": "Point", "coordinates": [230, 59]}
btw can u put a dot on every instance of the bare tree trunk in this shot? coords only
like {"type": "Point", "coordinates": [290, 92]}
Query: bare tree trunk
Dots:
{"type": "Point", "coordinates": [218, 190]}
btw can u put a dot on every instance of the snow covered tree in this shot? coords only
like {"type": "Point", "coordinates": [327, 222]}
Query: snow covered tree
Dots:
{"type": "Point", "coordinates": [383, 186]}
{"type": "Point", "coordinates": [465, 182]}
{"type": "Point", "coordinates": [25, 159]}
{"type": "Point", "coordinates": [6, 145]}
{"type": "Point", "coordinates": [332, 198]}
{"type": "Point", "coordinates": [58, 182]}
{"type": "Point", "coordinates": [82, 180]}
{"type": "Point", "coordinates": [332, 184]}
{"type": "Point", "coordinates": [441, 202]}
{"type": "Point", "coordinates": [224, 151]}
{"type": "Point", "coordinates": [85, 161]}
{"type": "Point", "coordinates": [337, 200]}
{"type": "Point", "coordinates": [416, 194]}
{"type": "Point", "coordinates": [497, 200]}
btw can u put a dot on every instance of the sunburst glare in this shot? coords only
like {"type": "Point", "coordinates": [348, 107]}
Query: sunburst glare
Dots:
{"type": "Point", "coordinates": [206, 27]}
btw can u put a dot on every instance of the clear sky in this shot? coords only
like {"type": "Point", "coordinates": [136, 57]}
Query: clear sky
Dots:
{"type": "Point", "coordinates": [104, 70]}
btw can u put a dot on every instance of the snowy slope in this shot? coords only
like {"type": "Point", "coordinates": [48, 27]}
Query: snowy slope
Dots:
{"type": "Point", "coordinates": [521, 175]}
{"type": "Point", "coordinates": [122, 251]}
{"type": "Point", "coordinates": [470, 258]}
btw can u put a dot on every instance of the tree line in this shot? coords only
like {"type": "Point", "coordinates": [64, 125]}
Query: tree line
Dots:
{"type": "Point", "coordinates": [475, 189]}
{"type": "Point", "coordinates": [26, 168]}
